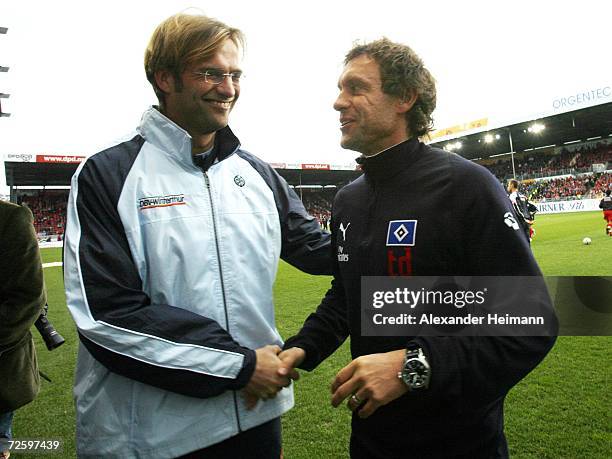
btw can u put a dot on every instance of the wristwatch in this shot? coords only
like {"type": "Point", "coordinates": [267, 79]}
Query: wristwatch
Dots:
{"type": "Point", "coordinates": [416, 371]}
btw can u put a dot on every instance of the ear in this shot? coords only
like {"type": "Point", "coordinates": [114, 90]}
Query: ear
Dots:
{"type": "Point", "coordinates": [406, 103]}
{"type": "Point", "coordinates": [165, 81]}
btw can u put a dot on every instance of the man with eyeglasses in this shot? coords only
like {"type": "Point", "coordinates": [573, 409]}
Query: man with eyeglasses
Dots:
{"type": "Point", "coordinates": [171, 250]}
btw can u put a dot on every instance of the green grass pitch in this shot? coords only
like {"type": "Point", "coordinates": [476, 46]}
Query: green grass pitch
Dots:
{"type": "Point", "coordinates": [561, 410]}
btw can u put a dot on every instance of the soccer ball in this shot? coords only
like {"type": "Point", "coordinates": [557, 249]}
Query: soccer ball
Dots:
{"type": "Point", "coordinates": [586, 241]}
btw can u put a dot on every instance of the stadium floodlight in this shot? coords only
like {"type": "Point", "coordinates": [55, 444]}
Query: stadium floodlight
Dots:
{"type": "Point", "coordinates": [4, 69]}
{"type": "Point", "coordinates": [536, 128]}
{"type": "Point", "coordinates": [453, 146]}
{"type": "Point", "coordinates": [488, 138]}
{"type": "Point", "coordinates": [4, 96]}
{"type": "Point", "coordinates": [3, 29]}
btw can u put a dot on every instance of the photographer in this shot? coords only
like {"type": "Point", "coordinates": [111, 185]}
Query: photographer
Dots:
{"type": "Point", "coordinates": [22, 299]}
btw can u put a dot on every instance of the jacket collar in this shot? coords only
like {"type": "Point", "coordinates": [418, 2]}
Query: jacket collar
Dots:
{"type": "Point", "coordinates": [392, 161]}
{"type": "Point", "coordinates": [169, 137]}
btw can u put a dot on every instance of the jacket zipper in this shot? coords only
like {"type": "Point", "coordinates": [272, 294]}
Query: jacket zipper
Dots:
{"type": "Point", "coordinates": [212, 208]}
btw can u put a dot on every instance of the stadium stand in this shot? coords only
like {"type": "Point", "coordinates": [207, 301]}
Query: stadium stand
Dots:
{"type": "Point", "coordinates": [318, 203]}
{"type": "Point", "coordinates": [533, 165]}
{"type": "Point", "coordinates": [602, 183]}
{"type": "Point", "coordinates": [582, 187]}
{"type": "Point", "coordinates": [49, 209]}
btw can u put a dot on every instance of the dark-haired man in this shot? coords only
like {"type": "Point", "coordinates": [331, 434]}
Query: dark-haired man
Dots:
{"type": "Point", "coordinates": [171, 250]}
{"type": "Point", "coordinates": [404, 216]}
{"type": "Point", "coordinates": [523, 209]}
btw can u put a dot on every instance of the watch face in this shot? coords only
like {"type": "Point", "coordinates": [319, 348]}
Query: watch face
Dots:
{"type": "Point", "coordinates": [415, 373]}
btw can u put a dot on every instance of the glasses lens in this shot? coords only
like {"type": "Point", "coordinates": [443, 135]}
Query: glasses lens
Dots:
{"type": "Point", "coordinates": [214, 77]}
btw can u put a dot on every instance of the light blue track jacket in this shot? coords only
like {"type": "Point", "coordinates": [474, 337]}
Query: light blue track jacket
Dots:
{"type": "Point", "coordinates": [169, 269]}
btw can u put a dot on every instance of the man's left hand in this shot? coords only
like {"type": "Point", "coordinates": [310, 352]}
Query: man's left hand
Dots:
{"type": "Point", "coordinates": [370, 381]}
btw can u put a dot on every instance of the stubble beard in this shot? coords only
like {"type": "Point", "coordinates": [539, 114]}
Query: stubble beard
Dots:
{"type": "Point", "coordinates": [209, 122]}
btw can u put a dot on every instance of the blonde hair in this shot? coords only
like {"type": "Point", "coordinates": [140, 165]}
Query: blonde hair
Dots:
{"type": "Point", "coordinates": [183, 39]}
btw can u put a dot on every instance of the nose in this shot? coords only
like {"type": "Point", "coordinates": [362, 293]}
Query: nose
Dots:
{"type": "Point", "coordinates": [341, 102]}
{"type": "Point", "coordinates": [227, 88]}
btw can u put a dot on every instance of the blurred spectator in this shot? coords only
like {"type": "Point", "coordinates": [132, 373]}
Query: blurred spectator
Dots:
{"type": "Point", "coordinates": [49, 209]}
{"type": "Point", "coordinates": [22, 298]}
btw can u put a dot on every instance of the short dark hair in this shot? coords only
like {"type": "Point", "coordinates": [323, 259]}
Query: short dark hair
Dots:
{"type": "Point", "coordinates": [402, 71]}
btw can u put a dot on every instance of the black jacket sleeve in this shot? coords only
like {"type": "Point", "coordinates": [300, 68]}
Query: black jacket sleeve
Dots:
{"type": "Point", "coordinates": [327, 328]}
{"type": "Point", "coordinates": [483, 369]}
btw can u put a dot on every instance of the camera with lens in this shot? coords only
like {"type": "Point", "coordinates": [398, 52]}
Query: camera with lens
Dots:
{"type": "Point", "coordinates": [47, 331]}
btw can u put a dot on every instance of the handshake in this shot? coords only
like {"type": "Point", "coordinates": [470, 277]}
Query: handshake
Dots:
{"type": "Point", "coordinates": [368, 382]}
{"type": "Point", "coordinates": [274, 369]}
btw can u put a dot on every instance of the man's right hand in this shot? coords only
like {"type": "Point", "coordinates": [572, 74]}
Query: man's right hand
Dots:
{"type": "Point", "coordinates": [267, 379]}
{"type": "Point", "coordinates": [291, 358]}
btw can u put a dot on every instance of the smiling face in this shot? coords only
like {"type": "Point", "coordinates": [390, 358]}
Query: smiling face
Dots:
{"type": "Point", "coordinates": [196, 105]}
{"type": "Point", "coordinates": [370, 120]}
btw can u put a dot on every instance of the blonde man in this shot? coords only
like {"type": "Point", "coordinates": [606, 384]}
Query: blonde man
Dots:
{"type": "Point", "coordinates": [171, 250]}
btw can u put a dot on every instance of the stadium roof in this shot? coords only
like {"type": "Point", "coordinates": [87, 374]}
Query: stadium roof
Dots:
{"type": "Point", "coordinates": [576, 126]}
{"type": "Point", "coordinates": [38, 174]}
{"type": "Point", "coordinates": [318, 177]}
{"type": "Point", "coordinates": [24, 174]}
{"type": "Point", "coordinates": [586, 124]}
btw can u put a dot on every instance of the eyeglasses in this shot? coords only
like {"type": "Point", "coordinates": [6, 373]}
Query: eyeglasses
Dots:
{"type": "Point", "coordinates": [218, 77]}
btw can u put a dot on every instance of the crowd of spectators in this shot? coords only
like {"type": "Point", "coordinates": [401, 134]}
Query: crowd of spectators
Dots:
{"type": "Point", "coordinates": [584, 187]}
{"type": "Point", "coordinates": [528, 166]}
{"type": "Point", "coordinates": [318, 203]}
{"type": "Point", "coordinates": [49, 209]}
{"type": "Point", "coordinates": [602, 183]}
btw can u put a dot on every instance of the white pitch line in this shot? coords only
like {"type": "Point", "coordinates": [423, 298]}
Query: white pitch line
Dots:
{"type": "Point", "coordinates": [52, 265]}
